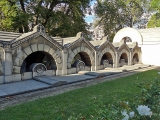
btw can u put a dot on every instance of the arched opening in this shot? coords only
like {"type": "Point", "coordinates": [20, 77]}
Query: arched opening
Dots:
{"type": "Point", "coordinates": [83, 57]}
{"type": "Point", "coordinates": [81, 61]}
{"type": "Point", "coordinates": [107, 60]}
{"type": "Point", "coordinates": [123, 59]}
{"type": "Point", "coordinates": [126, 39]}
{"type": "Point", "coordinates": [135, 59]}
{"type": "Point", "coordinates": [38, 57]}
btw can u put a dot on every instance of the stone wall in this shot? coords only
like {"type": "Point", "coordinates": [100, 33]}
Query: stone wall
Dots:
{"type": "Point", "coordinates": [18, 55]}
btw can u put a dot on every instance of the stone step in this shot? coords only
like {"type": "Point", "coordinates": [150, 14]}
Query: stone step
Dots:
{"type": "Point", "coordinates": [96, 74]}
{"type": "Point", "coordinates": [49, 80]}
{"type": "Point", "coordinates": [21, 87]}
{"type": "Point", "coordinates": [72, 78]}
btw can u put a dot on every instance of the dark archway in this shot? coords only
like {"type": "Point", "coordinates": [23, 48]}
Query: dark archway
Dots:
{"type": "Point", "coordinates": [107, 56]}
{"type": "Point", "coordinates": [38, 57]}
{"type": "Point", "coordinates": [123, 59]}
{"type": "Point", "coordinates": [82, 56]}
{"type": "Point", "coordinates": [106, 61]}
{"type": "Point", "coordinates": [135, 59]}
{"type": "Point", "coordinates": [124, 56]}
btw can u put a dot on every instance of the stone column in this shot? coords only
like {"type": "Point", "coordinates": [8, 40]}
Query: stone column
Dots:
{"type": "Point", "coordinates": [2, 57]}
{"type": "Point", "coordinates": [96, 60]}
{"type": "Point", "coordinates": [116, 64]}
{"type": "Point", "coordinates": [8, 64]}
{"type": "Point", "coordinates": [140, 57]}
{"type": "Point", "coordinates": [130, 58]}
{"type": "Point", "coordinates": [64, 62]}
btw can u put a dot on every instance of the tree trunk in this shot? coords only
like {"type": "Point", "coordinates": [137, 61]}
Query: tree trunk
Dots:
{"type": "Point", "coordinates": [131, 22]}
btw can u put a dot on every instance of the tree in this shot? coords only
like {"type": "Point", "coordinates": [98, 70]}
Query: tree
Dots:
{"type": "Point", "coordinates": [59, 17]}
{"type": "Point", "coordinates": [154, 21]}
{"type": "Point", "coordinates": [113, 15]}
{"type": "Point", "coordinates": [155, 18]}
{"type": "Point", "coordinates": [155, 4]}
{"type": "Point", "coordinates": [108, 15]}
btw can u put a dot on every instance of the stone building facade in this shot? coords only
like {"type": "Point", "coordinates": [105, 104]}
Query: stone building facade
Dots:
{"type": "Point", "coordinates": [147, 39]}
{"type": "Point", "coordinates": [24, 56]}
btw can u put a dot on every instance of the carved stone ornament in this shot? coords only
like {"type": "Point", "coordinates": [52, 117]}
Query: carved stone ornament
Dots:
{"type": "Point", "coordinates": [105, 63]}
{"type": "Point", "coordinates": [15, 44]}
{"type": "Point", "coordinates": [122, 62]}
{"type": "Point", "coordinates": [38, 69]}
{"type": "Point", "coordinates": [5, 45]}
{"type": "Point", "coordinates": [39, 28]}
{"type": "Point", "coordinates": [135, 61]}
{"type": "Point", "coordinates": [80, 65]}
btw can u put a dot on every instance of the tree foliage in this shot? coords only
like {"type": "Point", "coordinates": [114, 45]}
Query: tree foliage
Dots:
{"type": "Point", "coordinates": [155, 18]}
{"type": "Point", "coordinates": [154, 21]}
{"type": "Point", "coordinates": [109, 15]}
{"type": "Point", "coordinates": [60, 17]}
{"type": "Point", "coordinates": [155, 4]}
{"type": "Point", "coordinates": [115, 14]}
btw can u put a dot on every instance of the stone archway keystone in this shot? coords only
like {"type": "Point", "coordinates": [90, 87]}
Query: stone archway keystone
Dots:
{"type": "Point", "coordinates": [27, 50]}
{"type": "Point", "coordinates": [34, 47]}
{"type": "Point", "coordinates": [51, 51]}
{"type": "Point", "coordinates": [78, 49]}
{"type": "Point", "coordinates": [40, 47]}
{"type": "Point", "coordinates": [22, 55]}
{"type": "Point", "coordinates": [46, 48]}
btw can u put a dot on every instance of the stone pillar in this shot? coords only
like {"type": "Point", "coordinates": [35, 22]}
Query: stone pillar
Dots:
{"type": "Point", "coordinates": [116, 64]}
{"type": "Point", "coordinates": [96, 60]}
{"type": "Point", "coordinates": [64, 62]}
{"type": "Point", "coordinates": [2, 57]}
{"type": "Point", "coordinates": [140, 57]}
{"type": "Point", "coordinates": [8, 65]}
{"type": "Point", "coordinates": [130, 58]}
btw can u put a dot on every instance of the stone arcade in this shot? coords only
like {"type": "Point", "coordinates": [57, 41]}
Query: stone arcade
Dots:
{"type": "Point", "coordinates": [24, 56]}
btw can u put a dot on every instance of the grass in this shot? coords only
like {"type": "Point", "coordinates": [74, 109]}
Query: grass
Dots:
{"type": "Point", "coordinates": [83, 100]}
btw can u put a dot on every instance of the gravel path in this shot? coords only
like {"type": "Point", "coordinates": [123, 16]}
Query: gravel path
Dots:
{"type": "Point", "coordinates": [52, 91]}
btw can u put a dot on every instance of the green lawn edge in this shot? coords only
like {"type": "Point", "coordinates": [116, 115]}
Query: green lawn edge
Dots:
{"type": "Point", "coordinates": [83, 100]}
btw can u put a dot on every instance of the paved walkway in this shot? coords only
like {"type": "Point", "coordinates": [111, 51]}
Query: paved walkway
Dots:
{"type": "Point", "coordinates": [51, 81]}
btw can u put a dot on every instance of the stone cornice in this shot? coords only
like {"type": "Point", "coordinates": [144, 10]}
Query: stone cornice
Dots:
{"type": "Point", "coordinates": [17, 43]}
{"type": "Point", "coordinates": [80, 40]}
{"type": "Point", "coordinates": [124, 44]}
{"type": "Point", "coordinates": [105, 43]}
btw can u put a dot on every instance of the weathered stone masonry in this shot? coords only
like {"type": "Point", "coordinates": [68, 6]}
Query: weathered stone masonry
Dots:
{"type": "Point", "coordinates": [23, 56]}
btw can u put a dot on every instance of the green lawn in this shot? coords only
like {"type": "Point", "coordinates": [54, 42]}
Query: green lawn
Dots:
{"type": "Point", "coordinates": [84, 100]}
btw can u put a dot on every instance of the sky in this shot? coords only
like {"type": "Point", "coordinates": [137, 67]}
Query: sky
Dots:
{"type": "Point", "coordinates": [89, 18]}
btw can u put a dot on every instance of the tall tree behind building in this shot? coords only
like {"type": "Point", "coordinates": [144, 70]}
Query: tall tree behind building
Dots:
{"type": "Point", "coordinates": [113, 15]}
{"type": "Point", "coordinates": [60, 17]}
{"type": "Point", "coordinates": [155, 18]}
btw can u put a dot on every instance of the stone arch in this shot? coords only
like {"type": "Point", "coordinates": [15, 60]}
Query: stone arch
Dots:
{"type": "Point", "coordinates": [107, 60]}
{"type": "Point", "coordinates": [108, 54]}
{"type": "Point", "coordinates": [128, 32]}
{"type": "Point", "coordinates": [2, 57]}
{"type": "Point", "coordinates": [123, 59]}
{"type": "Point", "coordinates": [124, 49]}
{"type": "Point", "coordinates": [83, 56]}
{"type": "Point", "coordinates": [124, 56]}
{"type": "Point", "coordinates": [136, 53]}
{"type": "Point", "coordinates": [81, 61]}
{"type": "Point", "coordinates": [22, 55]}
{"type": "Point", "coordinates": [84, 52]}
{"type": "Point", "coordinates": [135, 58]}
{"type": "Point", "coordinates": [38, 57]}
